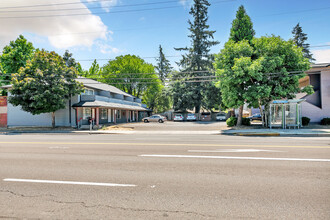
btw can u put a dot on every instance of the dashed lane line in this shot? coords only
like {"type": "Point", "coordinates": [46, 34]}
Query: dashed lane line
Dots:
{"type": "Point", "coordinates": [235, 158]}
{"type": "Point", "coordinates": [68, 182]}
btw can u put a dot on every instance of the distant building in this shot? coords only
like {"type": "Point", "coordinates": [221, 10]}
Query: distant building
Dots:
{"type": "Point", "coordinates": [102, 103]}
{"type": "Point", "coordinates": [317, 106]}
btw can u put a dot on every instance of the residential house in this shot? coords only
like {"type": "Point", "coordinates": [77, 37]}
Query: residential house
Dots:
{"type": "Point", "coordinates": [100, 103]}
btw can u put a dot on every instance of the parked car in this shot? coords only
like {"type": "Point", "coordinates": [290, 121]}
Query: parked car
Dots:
{"type": "Point", "coordinates": [221, 116]}
{"type": "Point", "coordinates": [206, 116]}
{"type": "Point", "coordinates": [256, 117]}
{"type": "Point", "coordinates": [178, 117]}
{"type": "Point", "coordinates": [154, 118]}
{"type": "Point", "coordinates": [191, 117]}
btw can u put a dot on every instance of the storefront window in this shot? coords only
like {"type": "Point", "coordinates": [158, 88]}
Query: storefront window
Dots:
{"type": "Point", "coordinates": [87, 113]}
{"type": "Point", "coordinates": [118, 114]}
{"type": "Point", "coordinates": [88, 92]}
{"type": "Point", "coordinates": [103, 113]}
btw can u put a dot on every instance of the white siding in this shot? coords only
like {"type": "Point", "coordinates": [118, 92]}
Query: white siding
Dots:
{"type": "Point", "coordinates": [17, 117]}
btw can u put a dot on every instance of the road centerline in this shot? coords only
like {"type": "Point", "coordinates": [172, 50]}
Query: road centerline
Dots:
{"type": "Point", "coordinates": [68, 182]}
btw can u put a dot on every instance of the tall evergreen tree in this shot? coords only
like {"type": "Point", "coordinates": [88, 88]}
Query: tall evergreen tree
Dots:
{"type": "Point", "coordinates": [242, 29]}
{"type": "Point", "coordinates": [197, 62]}
{"type": "Point", "coordinates": [299, 37]}
{"type": "Point", "coordinates": [71, 62]}
{"type": "Point", "coordinates": [163, 66]}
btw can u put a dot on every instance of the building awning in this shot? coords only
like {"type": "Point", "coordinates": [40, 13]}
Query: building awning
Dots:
{"type": "Point", "coordinates": [287, 101]}
{"type": "Point", "coordinates": [95, 104]}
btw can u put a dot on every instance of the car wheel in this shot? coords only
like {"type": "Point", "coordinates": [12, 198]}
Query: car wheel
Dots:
{"type": "Point", "coordinates": [146, 121]}
{"type": "Point", "coordinates": [160, 121]}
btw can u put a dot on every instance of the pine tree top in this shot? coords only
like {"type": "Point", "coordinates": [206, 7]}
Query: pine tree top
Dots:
{"type": "Point", "coordinates": [299, 37]}
{"type": "Point", "coordinates": [242, 26]}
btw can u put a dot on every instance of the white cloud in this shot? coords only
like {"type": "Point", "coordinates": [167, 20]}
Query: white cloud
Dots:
{"type": "Point", "coordinates": [62, 31]}
{"type": "Point", "coordinates": [183, 2]}
{"type": "Point", "coordinates": [106, 4]}
{"type": "Point", "coordinates": [321, 56]}
{"type": "Point", "coordinates": [107, 49]}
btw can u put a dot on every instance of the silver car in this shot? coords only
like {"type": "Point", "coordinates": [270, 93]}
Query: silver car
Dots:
{"type": "Point", "coordinates": [221, 116]}
{"type": "Point", "coordinates": [154, 118]}
{"type": "Point", "coordinates": [178, 117]}
{"type": "Point", "coordinates": [191, 117]}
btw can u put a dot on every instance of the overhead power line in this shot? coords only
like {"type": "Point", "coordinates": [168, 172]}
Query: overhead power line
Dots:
{"type": "Point", "coordinates": [324, 45]}
{"type": "Point", "coordinates": [290, 73]}
{"type": "Point", "coordinates": [110, 12]}
{"type": "Point", "coordinates": [84, 8]}
{"type": "Point", "coordinates": [298, 11]}
{"type": "Point", "coordinates": [66, 3]}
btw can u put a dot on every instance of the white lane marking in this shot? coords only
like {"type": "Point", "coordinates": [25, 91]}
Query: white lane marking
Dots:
{"type": "Point", "coordinates": [67, 182]}
{"type": "Point", "coordinates": [233, 151]}
{"type": "Point", "coordinates": [57, 147]}
{"type": "Point", "coordinates": [235, 158]}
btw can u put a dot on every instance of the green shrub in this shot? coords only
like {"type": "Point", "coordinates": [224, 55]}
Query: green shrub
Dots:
{"type": "Point", "coordinates": [246, 121]}
{"type": "Point", "coordinates": [305, 121]}
{"type": "Point", "coordinates": [325, 121]}
{"type": "Point", "coordinates": [231, 121]}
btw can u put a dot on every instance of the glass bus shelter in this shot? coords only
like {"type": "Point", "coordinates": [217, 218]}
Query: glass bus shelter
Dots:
{"type": "Point", "coordinates": [285, 113]}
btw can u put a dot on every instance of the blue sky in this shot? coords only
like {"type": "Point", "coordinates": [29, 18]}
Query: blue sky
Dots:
{"type": "Point", "coordinates": [107, 35]}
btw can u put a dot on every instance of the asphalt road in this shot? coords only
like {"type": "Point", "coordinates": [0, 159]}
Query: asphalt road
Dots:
{"type": "Point", "coordinates": [224, 177]}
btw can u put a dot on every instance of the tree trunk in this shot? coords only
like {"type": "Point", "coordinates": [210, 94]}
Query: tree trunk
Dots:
{"type": "Point", "coordinates": [232, 114]}
{"type": "Point", "coordinates": [262, 116]}
{"type": "Point", "coordinates": [240, 116]}
{"type": "Point", "coordinates": [266, 113]}
{"type": "Point", "coordinates": [53, 119]}
{"type": "Point", "coordinates": [261, 113]}
{"type": "Point", "coordinates": [197, 109]}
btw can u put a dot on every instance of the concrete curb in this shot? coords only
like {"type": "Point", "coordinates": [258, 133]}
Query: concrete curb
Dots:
{"type": "Point", "coordinates": [279, 134]}
{"type": "Point", "coordinates": [258, 134]}
{"type": "Point", "coordinates": [213, 132]}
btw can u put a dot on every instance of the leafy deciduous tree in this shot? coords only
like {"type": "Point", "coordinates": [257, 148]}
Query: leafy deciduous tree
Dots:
{"type": "Point", "coordinates": [242, 29]}
{"type": "Point", "coordinates": [130, 74]}
{"type": "Point", "coordinates": [15, 55]}
{"type": "Point", "coordinates": [94, 71]}
{"type": "Point", "coordinates": [260, 73]}
{"type": "Point", "coordinates": [44, 85]}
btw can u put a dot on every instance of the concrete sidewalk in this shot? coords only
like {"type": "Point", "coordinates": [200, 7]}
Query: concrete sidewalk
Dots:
{"type": "Point", "coordinates": [279, 132]}
{"type": "Point", "coordinates": [241, 132]}
{"type": "Point", "coordinates": [86, 132]}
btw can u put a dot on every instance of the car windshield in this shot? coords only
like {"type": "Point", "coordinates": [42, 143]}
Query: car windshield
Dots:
{"type": "Point", "coordinates": [191, 115]}
{"type": "Point", "coordinates": [178, 115]}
